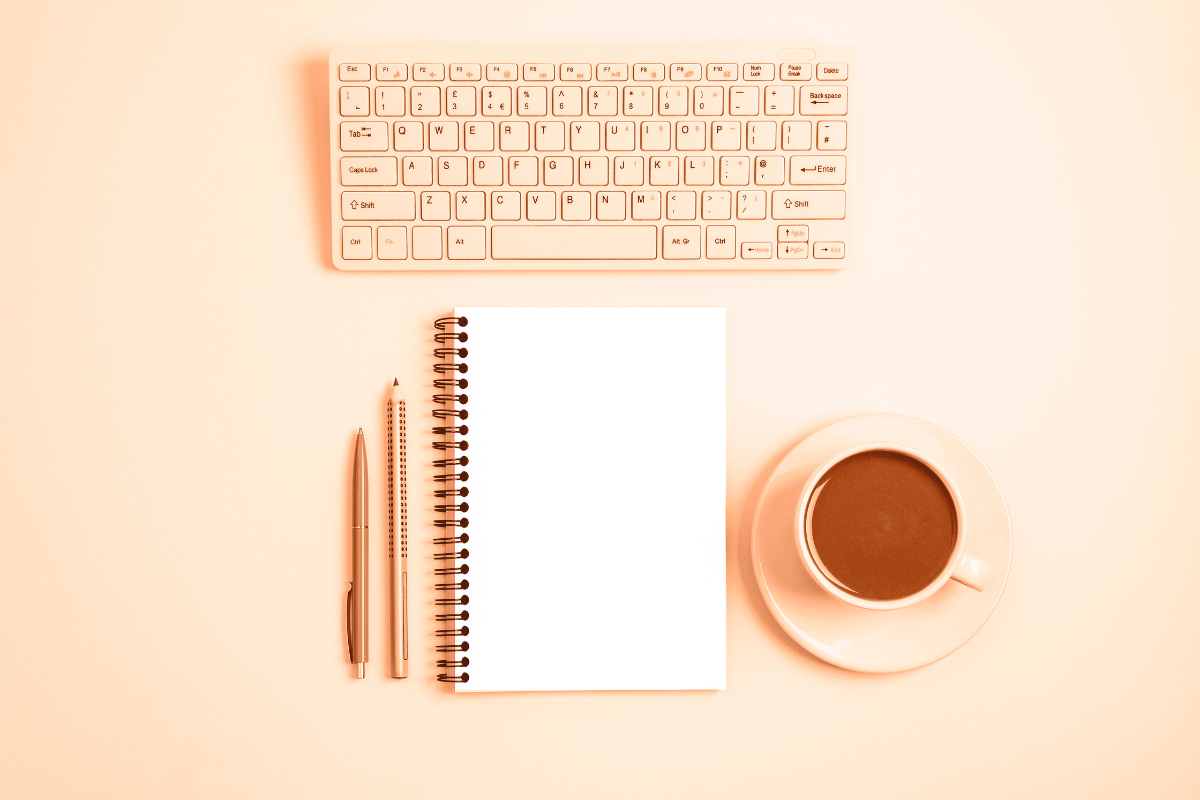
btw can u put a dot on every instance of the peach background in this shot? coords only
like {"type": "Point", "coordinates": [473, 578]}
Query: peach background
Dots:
{"type": "Point", "coordinates": [181, 373]}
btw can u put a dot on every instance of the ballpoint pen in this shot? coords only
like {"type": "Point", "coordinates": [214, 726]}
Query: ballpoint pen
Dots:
{"type": "Point", "coordinates": [356, 600]}
{"type": "Point", "coordinates": [398, 507]}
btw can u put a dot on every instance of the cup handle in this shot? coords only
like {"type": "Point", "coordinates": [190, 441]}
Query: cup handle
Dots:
{"type": "Point", "coordinates": [973, 571]}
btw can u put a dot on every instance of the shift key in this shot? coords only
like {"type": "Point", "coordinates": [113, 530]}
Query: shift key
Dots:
{"type": "Point", "coordinates": [787, 204]}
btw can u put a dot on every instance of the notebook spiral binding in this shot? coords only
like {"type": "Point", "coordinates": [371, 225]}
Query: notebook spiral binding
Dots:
{"type": "Point", "coordinates": [450, 415]}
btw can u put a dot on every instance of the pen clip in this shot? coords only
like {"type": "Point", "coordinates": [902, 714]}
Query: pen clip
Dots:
{"type": "Point", "coordinates": [349, 642]}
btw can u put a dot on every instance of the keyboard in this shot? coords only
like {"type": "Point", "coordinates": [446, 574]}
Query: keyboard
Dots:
{"type": "Point", "coordinates": [489, 157]}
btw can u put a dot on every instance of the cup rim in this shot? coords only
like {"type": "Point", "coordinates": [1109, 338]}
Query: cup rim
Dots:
{"type": "Point", "coordinates": [804, 545]}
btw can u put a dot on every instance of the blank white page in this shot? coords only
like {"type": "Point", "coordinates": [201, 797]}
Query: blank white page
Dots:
{"type": "Point", "coordinates": [597, 498]}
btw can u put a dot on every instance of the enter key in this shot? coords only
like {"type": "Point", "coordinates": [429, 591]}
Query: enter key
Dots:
{"type": "Point", "coordinates": [817, 170]}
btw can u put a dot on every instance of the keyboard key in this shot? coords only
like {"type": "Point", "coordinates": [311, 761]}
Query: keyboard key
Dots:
{"type": "Point", "coordinates": [735, 170]}
{"type": "Point", "coordinates": [720, 241]}
{"type": "Point", "coordinates": [539, 206]}
{"type": "Point", "coordinates": [716, 205]}
{"type": "Point", "coordinates": [558, 170]}
{"type": "Point", "coordinates": [602, 101]}
{"type": "Point", "coordinates": [612, 72]}
{"type": "Point", "coordinates": [389, 101]}
{"type": "Point", "coordinates": [514, 136]}
{"type": "Point", "coordinates": [585, 136]}
{"type": "Point", "coordinates": [531, 101]}
{"type": "Point", "coordinates": [834, 71]}
{"type": "Point", "coordinates": [831, 135]}
{"type": "Point", "coordinates": [665, 171]}
{"type": "Point", "coordinates": [465, 243]}
{"type": "Point", "coordinates": [435, 206]}
{"type": "Point", "coordinates": [618, 136]}
{"type": "Point", "coordinates": [793, 250]}
{"type": "Point", "coordinates": [793, 233]}
{"type": "Point", "coordinates": [393, 243]}
{"type": "Point", "coordinates": [354, 72]}
{"type": "Point", "coordinates": [823, 101]}
{"type": "Point", "coordinates": [722, 72]}
{"type": "Point", "coordinates": [576, 206]}
{"type": "Point", "coordinates": [418, 171]}
{"type": "Point", "coordinates": [768, 170]}
{"type": "Point", "coordinates": [610, 206]}
{"type": "Point", "coordinates": [575, 72]}
{"type": "Point", "coordinates": [506, 205]}
{"type": "Point", "coordinates": [780, 101]}
{"type": "Point", "coordinates": [760, 135]}
{"type": "Point", "coordinates": [795, 71]}
{"type": "Point", "coordinates": [452, 171]}
{"type": "Point", "coordinates": [689, 136]}
{"type": "Point", "coordinates": [465, 72]}
{"type": "Point", "coordinates": [681, 241]}
{"type": "Point", "coordinates": [828, 250]}
{"type": "Point", "coordinates": [460, 101]}
{"type": "Point", "coordinates": [686, 72]}
{"type": "Point", "coordinates": [593, 170]}
{"type": "Point", "coordinates": [488, 170]}
{"type": "Point", "coordinates": [443, 136]}
{"type": "Point", "coordinates": [797, 135]}
{"type": "Point", "coordinates": [427, 242]}
{"type": "Point", "coordinates": [681, 205]}
{"type": "Point", "coordinates": [391, 72]}
{"type": "Point", "coordinates": [354, 101]}
{"type": "Point", "coordinates": [550, 136]}
{"type": "Point", "coordinates": [429, 72]}
{"type": "Point", "coordinates": [743, 101]}
{"type": "Point", "coordinates": [752, 205]}
{"type": "Point", "coordinates": [469, 206]}
{"type": "Point", "coordinates": [378, 205]}
{"type": "Point", "coordinates": [408, 136]}
{"type": "Point", "coordinates": [649, 72]}
{"type": "Point", "coordinates": [756, 249]}
{"type": "Point", "coordinates": [356, 243]}
{"type": "Point", "coordinates": [568, 101]}
{"type": "Point", "coordinates": [656, 136]}
{"type": "Point", "coordinates": [368, 171]}
{"type": "Point", "coordinates": [574, 242]}
{"type": "Point", "coordinates": [827, 170]}
{"type": "Point", "coordinates": [758, 72]}
{"type": "Point", "coordinates": [497, 101]}
{"type": "Point", "coordinates": [673, 101]}
{"type": "Point", "coordinates": [479, 136]}
{"type": "Point", "coordinates": [539, 72]}
{"type": "Point", "coordinates": [638, 101]}
{"type": "Point", "coordinates": [698, 170]}
{"type": "Point", "coordinates": [522, 170]}
{"type": "Point", "coordinates": [628, 171]}
{"type": "Point", "coordinates": [799, 204]}
{"type": "Point", "coordinates": [708, 101]}
{"type": "Point", "coordinates": [727, 135]}
{"type": "Point", "coordinates": [426, 101]}
{"type": "Point", "coordinates": [501, 72]}
{"type": "Point", "coordinates": [364, 136]}
{"type": "Point", "coordinates": [645, 205]}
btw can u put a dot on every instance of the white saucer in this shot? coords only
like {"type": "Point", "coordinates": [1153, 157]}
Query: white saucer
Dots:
{"type": "Point", "coordinates": [879, 641]}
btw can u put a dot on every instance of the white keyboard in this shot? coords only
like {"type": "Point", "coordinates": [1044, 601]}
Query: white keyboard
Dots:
{"type": "Point", "coordinates": [633, 157]}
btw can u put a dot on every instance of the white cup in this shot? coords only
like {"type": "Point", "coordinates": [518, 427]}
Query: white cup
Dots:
{"type": "Point", "coordinates": [961, 566]}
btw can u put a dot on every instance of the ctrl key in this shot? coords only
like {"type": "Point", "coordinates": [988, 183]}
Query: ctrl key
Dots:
{"type": "Point", "coordinates": [829, 250]}
{"type": "Point", "coordinates": [356, 243]}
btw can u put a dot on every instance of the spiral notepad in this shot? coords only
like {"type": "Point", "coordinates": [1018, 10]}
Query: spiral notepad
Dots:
{"type": "Point", "coordinates": [580, 497]}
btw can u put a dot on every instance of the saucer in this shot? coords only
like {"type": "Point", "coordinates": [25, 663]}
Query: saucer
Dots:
{"type": "Point", "coordinates": [866, 640]}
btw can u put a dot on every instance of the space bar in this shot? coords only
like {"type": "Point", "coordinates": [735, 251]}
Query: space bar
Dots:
{"type": "Point", "coordinates": [574, 242]}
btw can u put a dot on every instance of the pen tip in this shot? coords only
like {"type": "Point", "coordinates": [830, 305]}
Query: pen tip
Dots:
{"type": "Point", "coordinates": [360, 430]}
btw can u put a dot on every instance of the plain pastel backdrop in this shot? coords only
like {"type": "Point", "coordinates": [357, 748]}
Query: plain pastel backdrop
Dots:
{"type": "Point", "coordinates": [182, 372]}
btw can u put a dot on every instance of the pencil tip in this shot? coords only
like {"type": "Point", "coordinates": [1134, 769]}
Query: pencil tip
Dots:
{"type": "Point", "coordinates": [395, 381]}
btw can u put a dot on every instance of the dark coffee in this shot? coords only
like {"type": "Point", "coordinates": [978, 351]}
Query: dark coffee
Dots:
{"type": "Point", "coordinates": [883, 525]}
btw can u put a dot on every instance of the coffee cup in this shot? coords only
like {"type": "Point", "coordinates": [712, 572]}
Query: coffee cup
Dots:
{"type": "Point", "coordinates": [881, 526]}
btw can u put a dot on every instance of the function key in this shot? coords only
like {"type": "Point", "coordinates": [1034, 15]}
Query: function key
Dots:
{"type": "Point", "coordinates": [649, 72]}
{"type": "Point", "coordinates": [429, 72]}
{"type": "Point", "coordinates": [795, 71]}
{"type": "Point", "coordinates": [612, 72]}
{"type": "Point", "coordinates": [502, 72]}
{"type": "Point", "coordinates": [354, 72]}
{"type": "Point", "coordinates": [832, 71]}
{"type": "Point", "coordinates": [686, 72]}
{"type": "Point", "coordinates": [722, 72]}
{"type": "Point", "coordinates": [465, 72]}
{"type": "Point", "coordinates": [539, 72]}
{"type": "Point", "coordinates": [575, 72]}
{"type": "Point", "coordinates": [758, 72]}
{"type": "Point", "coordinates": [391, 72]}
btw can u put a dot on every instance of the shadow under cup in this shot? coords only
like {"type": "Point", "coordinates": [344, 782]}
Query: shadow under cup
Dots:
{"type": "Point", "coordinates": [881, 525]}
